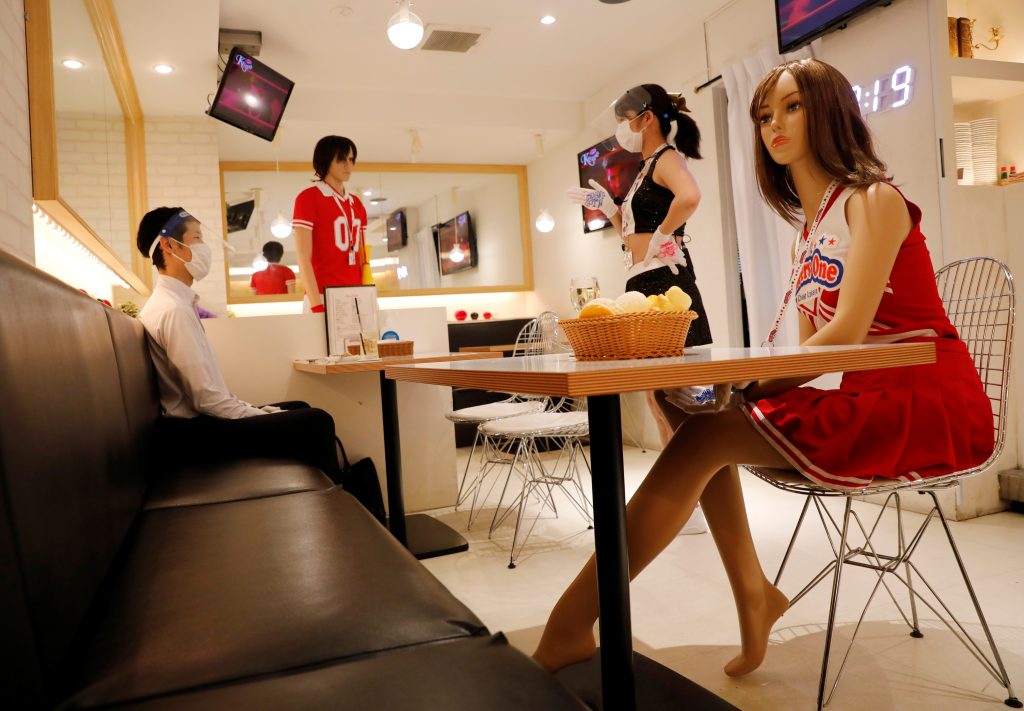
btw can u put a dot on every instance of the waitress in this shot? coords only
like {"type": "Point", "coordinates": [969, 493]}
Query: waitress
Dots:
{"type": "Point", "coordinates": [661, 200]}
{"type": "Point", "coordinates": [654, 213]}
{"type": "Point", "coordinates": [330, 223]}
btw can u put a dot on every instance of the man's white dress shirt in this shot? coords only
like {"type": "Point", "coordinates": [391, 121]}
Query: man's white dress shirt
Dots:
{"type": "Point", "coordinates": [191, 383]}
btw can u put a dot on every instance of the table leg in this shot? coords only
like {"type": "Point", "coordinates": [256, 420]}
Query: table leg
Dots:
{"type": "Point", "coordinates": [612, 553]}
{"type": "Point", "coordinates": [423, 535]}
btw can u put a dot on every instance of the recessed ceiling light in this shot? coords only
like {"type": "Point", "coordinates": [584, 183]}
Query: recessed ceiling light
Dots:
{"type": "Point", "coordinates": [73, 63]}
{"type": "Point", "coordinates": [163, 68]}
{"type": "Point", "coordinates": [547, 20]}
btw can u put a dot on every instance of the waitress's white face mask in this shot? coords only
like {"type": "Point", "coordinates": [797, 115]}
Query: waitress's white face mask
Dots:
{"type": "Point", "coordinates": [629, 139]}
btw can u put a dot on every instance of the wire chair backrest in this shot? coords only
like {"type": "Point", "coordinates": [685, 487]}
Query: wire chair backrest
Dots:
{"type": "Point", "coordinates": [978, 296]}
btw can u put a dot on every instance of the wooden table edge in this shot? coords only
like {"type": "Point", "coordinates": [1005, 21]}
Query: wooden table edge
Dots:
{"type": "Point", "coordinates": [621, 380]}
{"type": "Point", "coordinates": [387, 361]}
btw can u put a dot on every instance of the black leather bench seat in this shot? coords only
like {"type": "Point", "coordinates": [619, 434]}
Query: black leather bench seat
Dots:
{"type": "Point", "coordinates": [216, 593]}
{"type": "Point", "coordinates": [481, 674]}
{"type": "Point", "coordinates": [235, 481]}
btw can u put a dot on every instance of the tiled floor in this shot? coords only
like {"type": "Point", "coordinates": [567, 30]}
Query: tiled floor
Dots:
{"type": "Point", "coordinates": [683, 614]}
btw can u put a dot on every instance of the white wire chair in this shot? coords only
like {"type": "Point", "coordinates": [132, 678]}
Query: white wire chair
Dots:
{"type": "Point", "coordinates": [978, 295]}
{"type": "Point", "coordinates": [566, 425]}
{"type": "Point", "coordinates": [534, 338]}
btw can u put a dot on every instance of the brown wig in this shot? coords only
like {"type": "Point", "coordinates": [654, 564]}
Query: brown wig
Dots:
{"type": "Point", "coordinates": [837, 136]}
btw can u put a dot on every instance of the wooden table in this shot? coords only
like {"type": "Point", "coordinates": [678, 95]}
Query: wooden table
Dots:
{"type": "Point", "coordinates": [486, 349]}
{"type": "Point", "coordinates": [423, 535]}
{"type": "Point", "coordinates": [601, 382]}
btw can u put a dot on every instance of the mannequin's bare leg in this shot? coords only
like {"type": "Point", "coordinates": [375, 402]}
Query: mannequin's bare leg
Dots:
{"type": "Point", "coordinates": [700, 448]}
{"type": "Point", "coordinates": [722, 502]}
{"type": "Point", "coordinates": [668, 417]}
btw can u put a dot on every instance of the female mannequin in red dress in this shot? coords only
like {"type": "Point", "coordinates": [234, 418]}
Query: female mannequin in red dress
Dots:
{"type": "Point", "coordinates": [865, 277]}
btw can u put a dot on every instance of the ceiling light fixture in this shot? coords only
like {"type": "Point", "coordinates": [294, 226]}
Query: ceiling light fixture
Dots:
{"type": "Point", "coordinates": [596, 223]}
{"type": "Point", "coordinates": [456, 255]}
{"type": "Point", "coordinates": [405, 29]}
{"type": "Point", "coordinates": [163, 68]}
{"type": "Point", "coordinates": [259, 263]}
{"type": "Point", "coordinates": [73, 63]}
{"type": "Point", "coordinates": [367, 193]}
{"type": "Point", "coordinates": [545, 222]}
{"type": "Point", "coordinates": [547, 20]}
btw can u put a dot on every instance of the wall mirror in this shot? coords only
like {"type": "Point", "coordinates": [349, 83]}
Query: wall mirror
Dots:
{"type": "Point", "coordinates": [88, 157]}
{"type": "Point", "coordinates": [432, 229]}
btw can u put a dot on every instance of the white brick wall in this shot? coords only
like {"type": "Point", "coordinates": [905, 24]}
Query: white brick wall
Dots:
{"type": "Point", "coordinates": [15, 152]}
{"type": "Point", "coordinates": [94, 176]}
{"type": "Point", "coordinates": [183, 166]}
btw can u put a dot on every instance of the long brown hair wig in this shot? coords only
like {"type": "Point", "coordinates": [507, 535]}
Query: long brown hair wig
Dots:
{"type": "Point", "coordinates": [837, 136]}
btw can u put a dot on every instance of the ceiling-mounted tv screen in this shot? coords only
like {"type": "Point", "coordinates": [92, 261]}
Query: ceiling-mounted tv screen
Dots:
{"type": "Point", "coordinates": [613, 168]}
{"type": "Point", "coordinates": [800, 21]}
{"type": "Point", "coordinates": [251, 96]}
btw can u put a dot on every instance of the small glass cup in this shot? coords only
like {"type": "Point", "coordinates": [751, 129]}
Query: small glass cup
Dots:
{"type": "Point", "coordinates": [583, 290]}
{"type": "Point", "coordinates": [353, 346]}
{"type": "Point", "coordinates": [370, 339]}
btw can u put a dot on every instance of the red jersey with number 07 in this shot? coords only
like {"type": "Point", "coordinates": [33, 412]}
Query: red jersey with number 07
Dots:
{"type": "Point", "coordinates": [338, 224]}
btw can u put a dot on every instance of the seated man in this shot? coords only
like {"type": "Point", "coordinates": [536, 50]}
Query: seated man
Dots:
{"type": "Point", "coordinates": [276, 278]}
{"type": "Point", "coordinates": [202, 418]}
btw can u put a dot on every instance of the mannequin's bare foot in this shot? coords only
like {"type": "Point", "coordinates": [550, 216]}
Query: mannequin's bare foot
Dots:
{"type": "Point", "coordinates": [756, 620]}
{"type": "Point", "coordinates": [557, 651]}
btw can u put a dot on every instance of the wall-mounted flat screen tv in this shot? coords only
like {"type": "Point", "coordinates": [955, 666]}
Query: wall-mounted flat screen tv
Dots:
{"type": "Point", "coordinates": [455, 241]}
{"type": "Point", "coordinates": [251, 96]}
{"type": "Point", "coordinates": [611, 166]}
{"type": "Point", "coordinates": [800, 21]}
{"type": "Point", "coordinates": [238, 215]}
{"type": "Point", "coordinates": [397, 231]}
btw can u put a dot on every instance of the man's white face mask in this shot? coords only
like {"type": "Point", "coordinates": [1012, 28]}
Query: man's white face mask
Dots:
{"type": "Point", "coordinates": [202, 259]}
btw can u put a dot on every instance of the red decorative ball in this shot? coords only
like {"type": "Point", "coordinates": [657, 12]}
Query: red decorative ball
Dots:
{"type": "Point", "coordinates": [460, 315]}
{"type": "Point", "coordinates": [487, 314]}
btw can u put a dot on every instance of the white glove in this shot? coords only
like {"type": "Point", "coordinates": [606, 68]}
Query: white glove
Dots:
{"type": "Point", "coordinates": [271, 409]}
{"type": "Point", "coordinates": [596, 199]}
{"type": "Point", "coordinates": [706, 398]}
{"type": "Point", "coordinates": [664, 248]}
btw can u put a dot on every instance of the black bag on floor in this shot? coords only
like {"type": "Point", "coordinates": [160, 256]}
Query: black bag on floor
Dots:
{"type": "Point", "coordinates": [360, 480]}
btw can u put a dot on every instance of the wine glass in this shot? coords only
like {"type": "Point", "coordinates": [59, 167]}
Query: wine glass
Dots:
{"type": "Point", "coordinates": [582, 290]}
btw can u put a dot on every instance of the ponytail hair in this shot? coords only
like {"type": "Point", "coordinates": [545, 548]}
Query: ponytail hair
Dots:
{"type": "Point", "coordinates": [678, 128]}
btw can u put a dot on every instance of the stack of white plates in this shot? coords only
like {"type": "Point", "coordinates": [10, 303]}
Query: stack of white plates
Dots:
{"type": "Point", "coordinates": [983, 151]}
{"type": "Point", "coordinates": [964, 161]}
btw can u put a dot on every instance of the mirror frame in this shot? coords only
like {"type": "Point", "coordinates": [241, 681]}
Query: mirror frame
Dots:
{"type": "Point", "coordinates": [519, 171]}
{"type": "Point", "coordinates": [43, 123]}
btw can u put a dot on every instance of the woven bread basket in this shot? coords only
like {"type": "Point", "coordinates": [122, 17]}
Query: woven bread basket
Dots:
{"type": "Point", "coordinates": [394, 348]}
{"type": "Point", "coordinates": [655, 334]}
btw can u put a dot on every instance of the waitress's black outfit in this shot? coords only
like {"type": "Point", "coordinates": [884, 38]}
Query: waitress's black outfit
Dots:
{"type": "Point", "coordinates": [649, 203]}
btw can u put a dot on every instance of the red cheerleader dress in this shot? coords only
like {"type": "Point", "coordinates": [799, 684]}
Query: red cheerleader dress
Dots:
{"type": "Point", "coordinates": [904, 423]}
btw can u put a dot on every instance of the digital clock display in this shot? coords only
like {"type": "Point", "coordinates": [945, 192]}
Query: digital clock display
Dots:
{"type": "Point", "coordinates": [886, 93]}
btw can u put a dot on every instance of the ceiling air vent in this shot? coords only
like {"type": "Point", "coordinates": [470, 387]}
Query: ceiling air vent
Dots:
{"type": "Point", "coordinates": [451, 39]}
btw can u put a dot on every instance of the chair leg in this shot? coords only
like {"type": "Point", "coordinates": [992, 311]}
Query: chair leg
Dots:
{"type": "Point", "coordinates": [463, 493]}
{"type": "Point", "coordinates": [1012, 701]}
{"type": "Point", "coordinates": [789, 548]}
{"type": "Point", "coordinates": [915, 628]}
{"type": "Point", "coordinates": [840, 555]}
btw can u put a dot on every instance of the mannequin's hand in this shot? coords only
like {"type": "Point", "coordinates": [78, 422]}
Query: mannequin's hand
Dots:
{"type": "Point", "coordinates": [270, 409]}
{"type": "Point", "coordinates": [664, 247]}
{"type": "Point", "coordinates": [596, 199]}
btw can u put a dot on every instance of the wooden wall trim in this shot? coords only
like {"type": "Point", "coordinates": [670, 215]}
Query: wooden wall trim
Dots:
{"type": "Point", "coordinates": [41, 104]}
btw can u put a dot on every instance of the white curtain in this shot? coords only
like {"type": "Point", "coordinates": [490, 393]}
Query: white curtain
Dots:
{"type": "Point", "coordinates": [765, 239]}
{"type": "Point", "coordinates": [428, 272]}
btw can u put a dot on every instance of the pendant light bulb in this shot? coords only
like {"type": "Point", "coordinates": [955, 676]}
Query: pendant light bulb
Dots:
{"type": "Point", "coordinates": [405, 29]}
{"type": "Point", "coordinates": [545, 222]}
{"type": "Point", "coordinates": [280, 227]}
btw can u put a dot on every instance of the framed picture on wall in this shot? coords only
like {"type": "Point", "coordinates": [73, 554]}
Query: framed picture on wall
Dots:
{"type": "Point", "coordinates": [348, 311]}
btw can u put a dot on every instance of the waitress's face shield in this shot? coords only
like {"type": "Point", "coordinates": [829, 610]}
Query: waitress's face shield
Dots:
{"type": "Point", "coordinates": [629, 107]}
